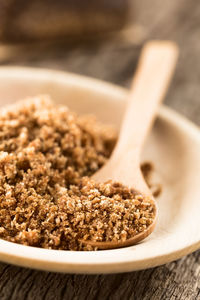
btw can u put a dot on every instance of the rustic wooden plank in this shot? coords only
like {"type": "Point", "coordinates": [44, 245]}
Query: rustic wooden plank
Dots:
{"type": "Point", "coordinates": [177, 280]}
{"type": "Point", "coordinates": [114, 60]}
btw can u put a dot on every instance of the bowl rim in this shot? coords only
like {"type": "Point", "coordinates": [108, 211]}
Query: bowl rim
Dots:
{"type": "Point", "coordinates": [104, 261]}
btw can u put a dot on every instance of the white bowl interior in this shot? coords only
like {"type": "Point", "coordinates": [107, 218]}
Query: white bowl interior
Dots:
{"type": "Point", "coordinates": [173, 147]}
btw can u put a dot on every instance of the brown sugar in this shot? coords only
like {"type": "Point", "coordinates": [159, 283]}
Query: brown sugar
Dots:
{"type": "Point", "coordinates": [47, 199]}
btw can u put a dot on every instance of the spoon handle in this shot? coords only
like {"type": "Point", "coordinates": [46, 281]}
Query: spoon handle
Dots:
{"type": "Point", "coordinates": [149, 86]}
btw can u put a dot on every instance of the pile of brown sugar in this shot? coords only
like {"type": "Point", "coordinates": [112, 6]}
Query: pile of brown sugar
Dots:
{"type": "Point", "coordinates": [47, 199]}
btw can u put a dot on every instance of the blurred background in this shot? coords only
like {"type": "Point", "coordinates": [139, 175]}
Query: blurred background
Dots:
{"type": "Point", "coordinates": [103, 39]}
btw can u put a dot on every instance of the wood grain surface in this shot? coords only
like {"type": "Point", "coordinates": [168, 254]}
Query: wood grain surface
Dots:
{"type": "Point", "coordinates": [115, 60]}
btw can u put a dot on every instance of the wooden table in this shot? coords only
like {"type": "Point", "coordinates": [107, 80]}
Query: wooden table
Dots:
{"type": "Point", "coordinates": [114, 60]}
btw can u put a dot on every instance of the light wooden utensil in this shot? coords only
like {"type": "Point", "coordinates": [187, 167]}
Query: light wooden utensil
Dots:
{"type": "Point", "coordinates": [150, 84]}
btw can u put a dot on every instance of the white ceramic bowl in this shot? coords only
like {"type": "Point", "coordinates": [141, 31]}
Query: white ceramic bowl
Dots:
{"type": "Point", "coordinates": [173, 146]}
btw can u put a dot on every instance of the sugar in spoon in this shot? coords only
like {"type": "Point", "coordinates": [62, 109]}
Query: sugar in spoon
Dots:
{"type": "Point", "coordinates": [155, 69]}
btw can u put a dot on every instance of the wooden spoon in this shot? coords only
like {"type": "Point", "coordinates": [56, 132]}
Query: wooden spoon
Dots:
{"type": "Point", "coordinates": [156, 65]}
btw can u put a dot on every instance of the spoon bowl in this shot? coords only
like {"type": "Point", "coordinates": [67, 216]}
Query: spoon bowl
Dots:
{"type": "Point", "coordinates": [131, 241]}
